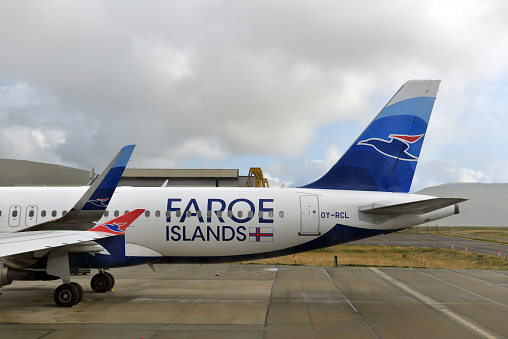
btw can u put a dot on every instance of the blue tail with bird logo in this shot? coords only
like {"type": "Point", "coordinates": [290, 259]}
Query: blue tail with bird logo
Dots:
{"type": "Point", "coordinates": [385, 155]}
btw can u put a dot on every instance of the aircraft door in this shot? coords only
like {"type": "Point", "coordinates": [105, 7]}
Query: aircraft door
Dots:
{"type": "Point", "coordinates": [14, 215]}
{"type": "Point", "coordinates": [309, 215]}
{"type": "Point", "coordinates": [31, 216]}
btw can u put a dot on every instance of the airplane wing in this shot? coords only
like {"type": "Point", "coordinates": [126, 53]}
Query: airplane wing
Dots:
{"type": "Point", "coordinates": [91, 206]}
{"type": "Point", "coordinates": [415, 207]}
{"type": "Point", "coordinates": [12, 244]}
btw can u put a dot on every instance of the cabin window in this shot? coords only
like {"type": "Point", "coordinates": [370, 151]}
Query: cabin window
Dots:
{"type": "Point", "coordinates": [168, 213]}
{"type": "Point", "coordinates": [178, 213]}
{"type": "Point", "coordinates": [281, 214]}
{"type": "Point", "coordinates": [147, 213]}
{"type": "Point", "coordinates": [250, 214]}
{"type": "Point", "coordinates": [14, 213]}
{"type": "Point", "coordinates": [208, 214]}
{"type": "Point", "coordinates": [31, 213]}
{"type": "Point", "coordinates": [270, 214]}
{"type": "Point", "coordinates": [260, 214]}
{"type": "Point", "coordinates": [0, 213]}
{"type": "Point", "coordinates": [106, 213]}
{"type": "Point", "coordinates": [116, 213]}
{"type": "Point", "coordinates": [230, 214]}
{"type": "Point", "coordinates": [219, 214]}
{"type": "Point", "coordinates": [198, 213]}
{"type": "Point", "coordinates": [64, 212]}
{"type": "Point", "coordinates": [188, 214]}
{"type": "Point", "coordinates": [240, 214]}
{"type": "Point", "coordinates": [53, 213]}
{"type": "Point", "coordinates": [157, 213]}
{"type": "Point", "coordinates": [126, 211]}
{"type": "Point", "coordinates": [43, 213]}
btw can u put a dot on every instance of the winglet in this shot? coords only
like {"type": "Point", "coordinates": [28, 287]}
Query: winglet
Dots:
{"type": "Point", "coordinates": [91, 206]}
{"type": "Point", "coordinates": [118, 225]}
{"type": "Point", "coordinates": [108, 180]}
{"type": "Point", "coordinates": [94, 202]}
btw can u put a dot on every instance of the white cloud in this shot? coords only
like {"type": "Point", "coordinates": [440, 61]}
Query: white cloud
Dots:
{"type": "Point", "coordinates": [196, 81]}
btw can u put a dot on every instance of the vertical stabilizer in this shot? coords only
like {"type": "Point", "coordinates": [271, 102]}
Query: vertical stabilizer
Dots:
{"type": "Point", "coordinates": [385, 155]}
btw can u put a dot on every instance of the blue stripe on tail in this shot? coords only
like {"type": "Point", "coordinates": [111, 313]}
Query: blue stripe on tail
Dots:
{"type": "Point", "coordinates": [385, 155]}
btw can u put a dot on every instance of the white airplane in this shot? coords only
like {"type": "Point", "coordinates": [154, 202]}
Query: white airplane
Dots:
{"type": "Point", "coordinates": [364, 194]}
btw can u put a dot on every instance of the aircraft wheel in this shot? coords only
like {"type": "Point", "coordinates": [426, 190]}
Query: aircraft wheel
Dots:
{"type": "Point", "coordinates": [66, 295]}
{"type": "Point", "coordinates": [101, 283]}
{"type": "Point", "coordinates": [112, 279]}
{"type": "Point", "coordinates": [80, 291]}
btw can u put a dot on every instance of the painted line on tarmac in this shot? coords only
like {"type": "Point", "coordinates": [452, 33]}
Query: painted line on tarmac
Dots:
{"type": "Point", "coordinates": [457, 317]}
{"type": "Point", "coordinates": [351, 304]}
{"type": "Point", "coordinates": [465, 289]}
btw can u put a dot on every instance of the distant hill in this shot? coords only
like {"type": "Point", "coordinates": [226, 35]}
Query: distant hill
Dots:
{"type": "Point", "coordinates": [29, 173]}
{"type": "Point", "coordinates": [485, 207]}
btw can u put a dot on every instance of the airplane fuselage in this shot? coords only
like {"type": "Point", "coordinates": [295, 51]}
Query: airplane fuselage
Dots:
{"type": "Point", "coordinates": [204, 225]}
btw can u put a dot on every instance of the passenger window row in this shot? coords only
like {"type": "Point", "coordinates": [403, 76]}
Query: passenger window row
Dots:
{"type": "Point", "coordinates": [178, 214]}
{"type": "Point", "coordinates": [31, 213]}
{"type": "Point", "coordinates": [157, 214]}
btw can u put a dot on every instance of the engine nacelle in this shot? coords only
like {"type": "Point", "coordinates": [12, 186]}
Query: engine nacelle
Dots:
{"type": "Point", "coordinates": [8, 275]}
{"type": "Point", "coordinates": [4, 275]}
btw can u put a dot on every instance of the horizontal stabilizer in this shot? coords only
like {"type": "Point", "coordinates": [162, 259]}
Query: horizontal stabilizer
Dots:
{"type": "Point", "coordinates": [414, 207]}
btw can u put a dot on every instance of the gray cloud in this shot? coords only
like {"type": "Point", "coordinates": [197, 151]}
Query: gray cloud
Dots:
{"type": "Point", "coordinates": [201, 82]}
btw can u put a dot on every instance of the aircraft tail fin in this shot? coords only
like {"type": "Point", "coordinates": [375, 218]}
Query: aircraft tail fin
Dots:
{"type": "Point", "coordinates": [384, 156]}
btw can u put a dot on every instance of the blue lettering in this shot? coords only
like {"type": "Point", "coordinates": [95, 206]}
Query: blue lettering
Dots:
{"type": "Point", "coordinates": [192, 203]}
{"type": "Point", "coordinates": [198, 234]}
{"type": "Point", "coordinates": [210, 208]}
{"type": "Point", "coordinates": [171, 209]}
{"type": "Point", "coordinates": [184, 237]}
{"type": "Point", "coordinates": [227, 233]}
{"type": "Point", "coordinates": [239, 231]}
{"type": "Point", "coordinates": [224, 228]}
{"type": "Point", "coordinates": [215, 235]}
{"type": "Point", "coordinates": [173, 230]}
{"type": "Point", "coordinates": [252, 208]}
{"type": "Point", "coordinates": [265, 209]}
{"type": "Point", "coordinates": [341, 215]}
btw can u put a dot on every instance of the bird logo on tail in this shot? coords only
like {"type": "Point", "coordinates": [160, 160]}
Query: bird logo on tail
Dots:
{"type": "Point", "coordinates": [396, 147]}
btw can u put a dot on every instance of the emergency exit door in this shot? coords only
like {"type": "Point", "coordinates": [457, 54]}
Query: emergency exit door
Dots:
{"type": "Point", "coordinates": [309, 215]}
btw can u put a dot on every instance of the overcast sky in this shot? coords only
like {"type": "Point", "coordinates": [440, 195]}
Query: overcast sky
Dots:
{"type": "Point", "coordinates": [284, 85]}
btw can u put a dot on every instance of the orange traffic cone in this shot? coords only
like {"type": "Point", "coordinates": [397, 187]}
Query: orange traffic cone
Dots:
{"type": "Point", "coordinates": [217, 274]}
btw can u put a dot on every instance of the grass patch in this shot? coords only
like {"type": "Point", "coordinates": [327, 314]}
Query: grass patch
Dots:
{"type": "Point", "coordinates": [391, 256]}
{"type": "Point", "coordinates": [490, 234]}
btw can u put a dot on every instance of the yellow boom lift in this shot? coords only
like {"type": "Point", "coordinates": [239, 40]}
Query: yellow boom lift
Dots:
{"type": "Point", "coordinates": [259, 180]}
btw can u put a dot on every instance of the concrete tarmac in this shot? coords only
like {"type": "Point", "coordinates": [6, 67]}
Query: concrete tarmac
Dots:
{"type": "Point", "coordinates": [255, 301]}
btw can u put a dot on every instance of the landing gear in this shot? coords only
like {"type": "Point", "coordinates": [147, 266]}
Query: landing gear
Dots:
{"type": "Point", "coordinates": [80, 290]}
{"type": "Point", "coordinates": [67, 295]}
{"type": "Point", "coordinates": [102, 282]}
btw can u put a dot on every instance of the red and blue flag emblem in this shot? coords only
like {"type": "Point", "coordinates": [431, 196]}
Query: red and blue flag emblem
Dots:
{"type": "Point", "coordinates": [261, 234]}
